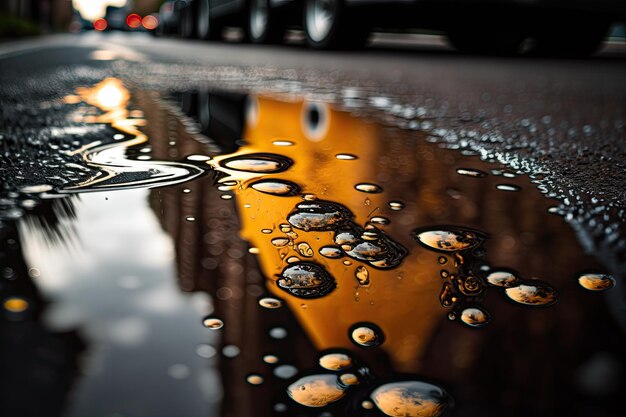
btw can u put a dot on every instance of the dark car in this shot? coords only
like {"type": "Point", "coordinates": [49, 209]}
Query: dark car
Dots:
{"type": "Point", "coordinates": [561, 27]}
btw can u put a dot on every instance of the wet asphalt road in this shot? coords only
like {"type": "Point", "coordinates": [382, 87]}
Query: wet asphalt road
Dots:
{"type": "Point", "coordinates": [559, 119]}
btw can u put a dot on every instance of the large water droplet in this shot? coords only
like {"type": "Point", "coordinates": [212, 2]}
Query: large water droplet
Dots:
{"type": "Point", "coordinates": [362, 276]}
{"type": "Point", "coordinates": [366, 335]}
{"type": "Point", "coordinates": [306, 280]}
{"type": "Point", "coordinates": [533, 293]}
{"type": "Point", "coordinates": [411, 399]}
{"type": "Point", "coordinates": [316, 390]}
{"type": "Point", "coordinates": [258, 162]}
{"type": "Point", "coordinates": [475, 317]}
{"type": "Point", "coordinates": [372, 246]}
{"type": "Point", "coordinates": [346, 156]}
{"type": "Point", "coordinates": [596, 282]}
{"type": "Point", "coordinates": [276, 187]}
{"type": "Point", "coordinates": [212, 323]}
{"type": "Point", "coordinates": [369, 188]}
{"type": "Point", "coordinates": [319, 215]}
{"type": "Point", "coordinates": [335, 361]}
{"type": "Point", "coordinates": [448, 239]}
{"type": "Point", "coordinates": [502, 279]}
{"type": "Point", "coordinates": [280, 242]}
{"type": "Point", "coordinates": [380, 220]}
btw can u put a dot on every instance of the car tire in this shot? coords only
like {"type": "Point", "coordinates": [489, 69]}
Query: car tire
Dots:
{"type": "Point", "coordinates": [576, 38]}
{"type": "Point", "coordinates": [206, 27]}
{"type": "Point", "coordinates": [326, 25]}
{"type": "Point", "coordinates": [264, 24]}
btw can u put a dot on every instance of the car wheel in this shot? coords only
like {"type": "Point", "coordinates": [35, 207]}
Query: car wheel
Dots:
{"type": "Point", "coordinates": [576, 38]}
{"type": "Point", "coordinates": [187, 23]}
{"type": "Point", "coordinates": [206, 27]}
{"type": "Point", "coordinates": [264, 25]}
{"type": "Point", "coordinates": [326, 25]}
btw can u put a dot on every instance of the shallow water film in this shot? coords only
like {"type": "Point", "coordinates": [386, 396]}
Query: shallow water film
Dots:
{"type": "Point", "coordinates": [224, 253]}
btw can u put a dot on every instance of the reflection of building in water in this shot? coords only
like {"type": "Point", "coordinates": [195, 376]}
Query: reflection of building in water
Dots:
{"type": "Point", "coordinates": [212, 257]}
{"type": "Point", "coordinates": [37, 367]}
{"type": "Point", "coordinates": [403, 301]}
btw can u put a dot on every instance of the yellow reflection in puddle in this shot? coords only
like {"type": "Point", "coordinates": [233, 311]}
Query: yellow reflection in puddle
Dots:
{"type": "Point", "coordinates": [402, 301]}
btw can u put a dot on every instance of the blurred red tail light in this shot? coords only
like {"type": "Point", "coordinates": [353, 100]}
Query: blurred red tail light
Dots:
{"type": "Point", "coordinates": [133, 21]}
{"type": "Point", "coordinates": [100, 24]}
{"type": "Point", "coordinates": [150, 22]}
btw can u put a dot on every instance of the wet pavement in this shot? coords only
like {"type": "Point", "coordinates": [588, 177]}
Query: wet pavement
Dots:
{"type": "Point", "coordinates": [226, 230]}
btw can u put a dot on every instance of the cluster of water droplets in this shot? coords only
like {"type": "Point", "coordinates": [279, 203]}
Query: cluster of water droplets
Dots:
{"type": "Point", "coordinates": [340, 374]}
{"type": "Point", "coordinates": [464, 286]}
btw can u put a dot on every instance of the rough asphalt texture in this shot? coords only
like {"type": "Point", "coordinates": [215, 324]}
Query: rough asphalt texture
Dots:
{"type": "Point", "coordinates": [559, 121]}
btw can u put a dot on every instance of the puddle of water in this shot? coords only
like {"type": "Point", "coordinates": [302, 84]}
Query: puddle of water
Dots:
{"type": "Point", "coordinates": [320, 232]}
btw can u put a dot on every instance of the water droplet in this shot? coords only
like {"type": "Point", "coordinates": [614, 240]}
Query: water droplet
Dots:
{"type": "Point", "coordinates": [319, 215]}
{"type": "Point", "coordinates": [502, 279]}
{"type": "Point", "coordinates": [15, 305]}
{"type": "Point", "coordinates": [331, 252]}
{"type": "Point", "coordinates": [285, 371]}
{"type": "Point", "coordinates": [448, 239]}
{"type": "Point", "coordinates": [309, 197]}
{"type": "Point", "coordinates": [468, 172]}
{"type": "Point", "coordinates": [380, 220]}
{"type": "Point", "coordinates": [362, 276]}
{"type": "Point", "coordinates": [226, 197]}
{"type": "Point", "coordinates": [199, 158]}
{"type": "Point", "coordinates": [366, 335]}
{"type": "Point", "coordinates": [34, 189]}
{"type": "Point", "coordinates": [316, 390]}
{"type": "Point", "coordinates": [442, 260]}
{"type": "Point", "coordinates": [378, 250]}
{"type": "Point", "coordinates": [179, 371]}
{"type": "Point", "coordinates": [395, 205]}
{"type": "Point", "coordinates": [411, 398]}
{"type": "Point", "coordinates": [258, 162]}
{"type": "Point", "coordinates": [278, 333]}
{"type": "Point", "coordinates": [508, 187]}
{"type": "Point", "coordinates": [335, 361]}
{"type": "Point", "coordinates": [271, 359]}
{"type": "Point", "coordinates": [305, 250]}
{"type": "Point", "coordinates": [293, 259]}
{"type": "Point", "coordinates": [186, 190]}
{"type": "Point", "coordinates": [369, 188]}
{"type": "Point", "coordinates": [205, 351]}
{"type": "Point", "coordinates": [347, 263]}
{"type": "Point", "coordinates": [266, 231]}
{"type": "Point", "coordinates": [368, 405]}
{"type": "Point", "coordinates": [212, 323]}
{"type": "Point", "coordinates": [231, 351]}
{"type": "Point", "coordinates": [533, 293]}
{"type": "Point", "coordinates": [596, 282]}
{"type": "Point", "coordinates": [283, 143]}
{"type": "Point", "coordinates": [276, 187]}
{"type": "Point", "coordinates": [255, 379]}
{"type": "Point", "coordinates": [254, 251]}
{"type": "Point", "coordinates": [190, 219]}
{"type": "Point", "coordinates": [306, 280]}
{"type": "Point", "coordinates": [270, 303]}
{"type": "Point", "coordinates": [475, 317]}
{"type": "Point", "coordinates": [280, 242]}
{"type": "Point", "coordinates": [346, 156]}
{"type": "Point", "coordinates": [349, 379]}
